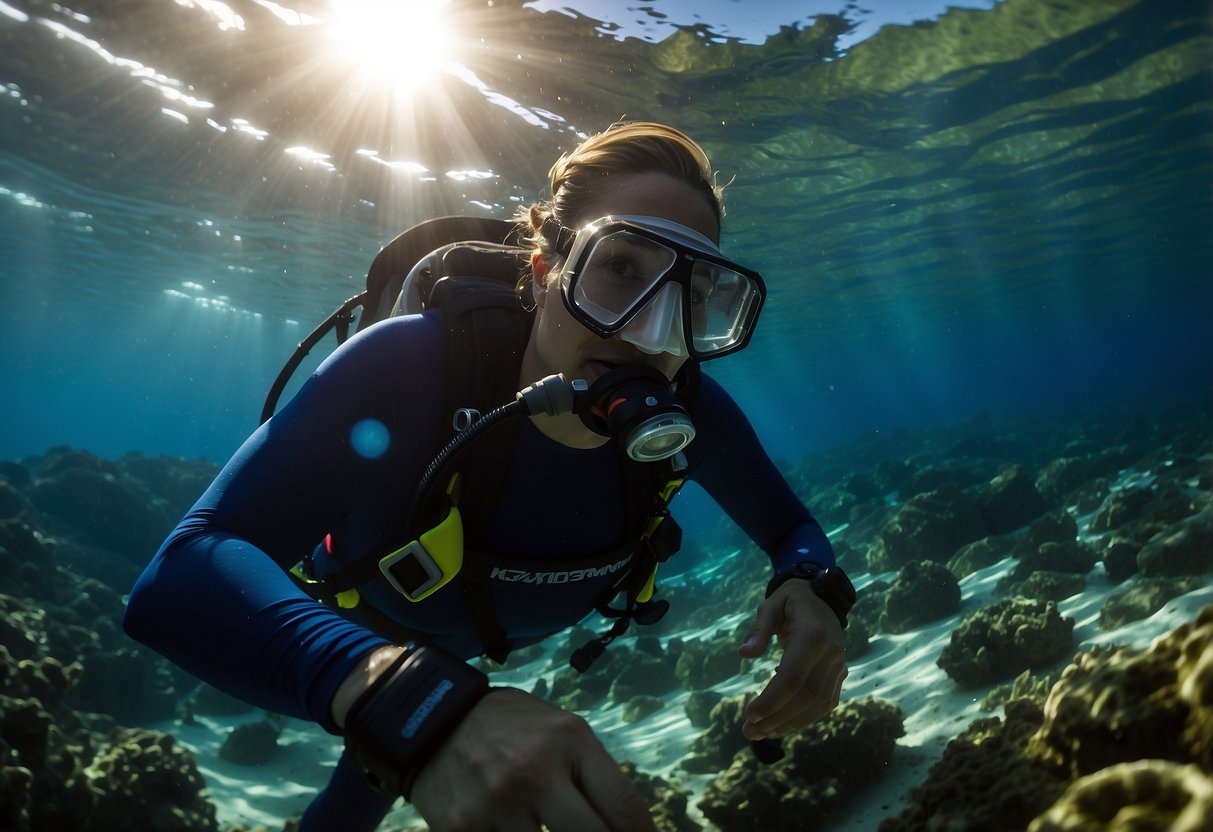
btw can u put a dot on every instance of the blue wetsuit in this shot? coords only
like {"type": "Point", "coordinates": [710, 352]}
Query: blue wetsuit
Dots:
{"type": "Point", "coordinates": [217, 601]}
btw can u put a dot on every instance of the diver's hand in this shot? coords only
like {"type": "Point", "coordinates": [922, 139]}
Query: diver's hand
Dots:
{"type": "Point", "coordinates": [808, 682]}
{"type": "Point", "coordinates": [516, 762]}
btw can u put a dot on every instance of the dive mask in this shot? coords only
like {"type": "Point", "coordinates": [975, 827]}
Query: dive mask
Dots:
{"type": "Point", "coordinates": [661, 286]}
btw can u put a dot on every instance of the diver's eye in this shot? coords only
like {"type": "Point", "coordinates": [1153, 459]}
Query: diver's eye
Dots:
{"type": "Point", "coordinates": [621, 269]}
{"type": "Point", "coordinates": [623, 258]}
{"type": "Point", "coordinates": [702, 288]}
{"type": "Point", "coordinates": [700, 294]}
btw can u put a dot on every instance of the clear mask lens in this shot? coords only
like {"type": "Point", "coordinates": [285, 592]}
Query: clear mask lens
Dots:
{"type": "Point", "coordinates": [618, 272]}
{"type": "Point", "coordinates": [723, 302]}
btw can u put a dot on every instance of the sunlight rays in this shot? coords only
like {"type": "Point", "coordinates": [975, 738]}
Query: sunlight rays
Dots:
{"type": "Point", "coordinates": [401, 43]}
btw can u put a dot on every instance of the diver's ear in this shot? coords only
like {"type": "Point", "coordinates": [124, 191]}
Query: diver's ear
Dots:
{"type": "Point", "coordinates": [539, 274]}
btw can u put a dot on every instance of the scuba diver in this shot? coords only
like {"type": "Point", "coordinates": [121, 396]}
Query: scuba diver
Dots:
{"type": "Point", "coordinates": [435, 527]}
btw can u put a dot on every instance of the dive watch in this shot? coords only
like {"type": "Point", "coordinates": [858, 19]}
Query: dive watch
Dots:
{"type": "Point", "coordinates": [830, 584]}
{"type": "Point", "coordinates": [408, 712]}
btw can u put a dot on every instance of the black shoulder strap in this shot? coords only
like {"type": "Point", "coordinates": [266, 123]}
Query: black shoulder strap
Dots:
{"type": "Point", "coordinates": [487, 330]}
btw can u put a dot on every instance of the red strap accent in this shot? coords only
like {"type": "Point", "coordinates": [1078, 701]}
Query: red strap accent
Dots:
{"type": "Point", "coordinates": [328, 544]}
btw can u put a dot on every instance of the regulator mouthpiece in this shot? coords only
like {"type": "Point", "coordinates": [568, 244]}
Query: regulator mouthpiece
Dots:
{"type": "Point", "coordinates": [635, 406]}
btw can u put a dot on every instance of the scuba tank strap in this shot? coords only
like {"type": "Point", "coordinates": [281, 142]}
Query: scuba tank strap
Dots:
{"type": "Point", "coordinates": [487, 372]}
{"type": "Point", "coordinates": [340, 320]}
{"type": "Point", "coordinates": [479, 600]}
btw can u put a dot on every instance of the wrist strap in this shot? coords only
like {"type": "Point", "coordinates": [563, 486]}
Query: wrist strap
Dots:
{"type": "Point", "coordinates": [839, 595]}
{"type": "Point", "coordinates": [397, 724]}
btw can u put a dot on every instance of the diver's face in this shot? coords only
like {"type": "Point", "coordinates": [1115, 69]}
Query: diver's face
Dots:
{"type": "Point", "coordinates": [560, 344]}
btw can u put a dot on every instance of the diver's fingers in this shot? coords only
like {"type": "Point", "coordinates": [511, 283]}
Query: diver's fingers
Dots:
{"type": "Point", "coordinates": [512, 763]}
{"type": "Point", "coordinates": [809, 679]}
{"type": "Point", "coordinates": [800, 714]}
{"type": "Point", "coordinates": [566, 808]}
{"type": "Point", "coordinates": [610, 792]}
{"type": "Point", "coordinates": [805, 634]}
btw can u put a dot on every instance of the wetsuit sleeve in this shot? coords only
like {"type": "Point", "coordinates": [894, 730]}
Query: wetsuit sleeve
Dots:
{"type": "Point", "coordinates": [216, 600]}
{"type": "Point", "coordinates": [732, 466]}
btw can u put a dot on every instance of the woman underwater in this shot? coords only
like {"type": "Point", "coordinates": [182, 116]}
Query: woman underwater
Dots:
{"type": "Point", "coordinates": [626, 281]}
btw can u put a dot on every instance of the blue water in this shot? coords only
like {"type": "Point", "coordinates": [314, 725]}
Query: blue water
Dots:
{"type": "Point", "coordinates": [1003, 209]}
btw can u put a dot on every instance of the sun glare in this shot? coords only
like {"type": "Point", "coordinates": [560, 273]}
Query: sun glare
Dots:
{"type": "Point", "coordinates": [400, 41]}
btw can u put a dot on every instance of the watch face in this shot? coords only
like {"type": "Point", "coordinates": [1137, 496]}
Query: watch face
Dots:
{"type": "Point", "coordinates": [808, 570]}
{"type": "Point", "coordinates": [836, 583]}
{"type": "Point", "coordinates": [845, 584]}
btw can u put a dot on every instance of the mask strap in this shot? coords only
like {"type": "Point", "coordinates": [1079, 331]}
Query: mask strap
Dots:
{"type": "Point", "coordinates": [558, 236]}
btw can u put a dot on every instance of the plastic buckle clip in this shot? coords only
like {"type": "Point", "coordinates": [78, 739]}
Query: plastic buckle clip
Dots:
{"type": "Point", "coordinates": [412, 571]}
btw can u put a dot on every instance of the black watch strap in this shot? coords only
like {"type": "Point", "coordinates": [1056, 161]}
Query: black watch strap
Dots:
{"type": "Point", "coordinates": [830, 584]}
{"type": "Point", "coordinates": [398, 723]}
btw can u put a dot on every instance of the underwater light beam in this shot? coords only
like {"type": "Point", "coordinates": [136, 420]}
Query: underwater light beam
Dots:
{"type": "Point", "coordinates": [402, 43]}
{"type": "Point", "coordinates": [15, 14]}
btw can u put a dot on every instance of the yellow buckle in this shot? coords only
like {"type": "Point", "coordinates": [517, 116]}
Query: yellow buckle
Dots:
{"type": "Point", "coordinates": [422, 567]}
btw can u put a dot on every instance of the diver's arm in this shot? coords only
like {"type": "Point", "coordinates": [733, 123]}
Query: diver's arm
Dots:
{"type": "Point", "coordinates": [224, 611]}
{"type": "Point", "coordinates": [216, 599]}
{"type": "Point", "coordinates": [733, 467]}
{"type": "Point", "coordinates": [736, 471]}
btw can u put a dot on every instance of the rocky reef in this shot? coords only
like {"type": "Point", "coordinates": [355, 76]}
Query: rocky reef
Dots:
{"type": "Point", "coordinates": [74, 531]}
{"type": "Point", "coordinates": [1124, 740]}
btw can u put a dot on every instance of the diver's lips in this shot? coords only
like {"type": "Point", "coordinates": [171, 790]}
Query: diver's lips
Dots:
{"type": "Point", "coordinates": [597, 367]}
{"type": "Point", "coordinates": [600, 367]}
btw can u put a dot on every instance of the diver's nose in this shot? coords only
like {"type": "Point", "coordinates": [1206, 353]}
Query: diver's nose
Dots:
{"type": "Point", "coordinates": [657, 328]}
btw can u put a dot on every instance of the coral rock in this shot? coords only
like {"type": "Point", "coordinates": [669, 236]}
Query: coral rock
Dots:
{"type": "Point", "coordinates": [1005, 639]}
{"type": "Point", "coordinates": [643, 675]}
{"type": "Point", "coordinates": [921, 593]}
{"type": "Point", "coordinates": [1117, 706]}
{"type": "Point", "coordinates": [702, 664]}
{"type": "Point", "coordinates": [1049, 586]}
{"type": "Point", "coordinates": [1122, 508]}
{"type": "Point", "coordinates": [1054, 527]}
{"type": "Point", "coordinates": [715, 747]}
{"type": "Point", "coordinates": [15, 783]}
{"type": "Point", "coordinates": [984, 781]}
{"type": "Point", "coordinates": [251, 744]}
{"type": "Point", "coordinates": [147, 781]}
{"type": "Point", "coordinates": [1071, 556]}
{"type": "Point", "coordinates": [1143, 599]}
{"type": "Point", "coordinates": [978, 555]}
{"type": "Point", "coordinates": [1144, 796]}
{"type": "Point", "coordinates": [667, 804]}
{"type": "Point", "coordinates": [826, 763]}
{"type": "Point", "coordinates": [639, 707]}
{"type": "Point", "coordinates": [699, 707]}
{"type": "Point", "coordinates": [1120, 558]}
{"type": "Point", "coordinates": [1187, 550]}
{"type": "Point", "coordinates": [1011, 500]}
{"type": "Point", "coordinates": [930, 526]}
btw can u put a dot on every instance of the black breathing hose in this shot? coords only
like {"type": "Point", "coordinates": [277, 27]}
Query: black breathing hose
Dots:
{"type": "Point", "coordinates": [501, 414]}
{"type": "Point", "coordinates": [551, 395]}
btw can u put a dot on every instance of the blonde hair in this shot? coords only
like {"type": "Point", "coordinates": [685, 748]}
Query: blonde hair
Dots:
{"type": "Point", "coordinates": [626, 147]}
